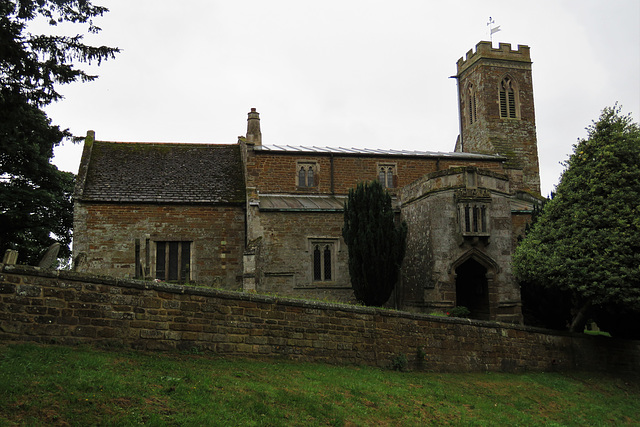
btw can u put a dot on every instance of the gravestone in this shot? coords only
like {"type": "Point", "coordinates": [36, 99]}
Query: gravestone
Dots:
{"type": "Point", "coordinates": [10, 257]}
{"type": "Point", "coordinates": [78, 261]}
{"type": "Point", "coordinates": [50, 257]}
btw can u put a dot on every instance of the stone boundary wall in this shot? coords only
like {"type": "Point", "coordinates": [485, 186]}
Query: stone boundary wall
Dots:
{"type": "Point", "coordinates": [71, 308]}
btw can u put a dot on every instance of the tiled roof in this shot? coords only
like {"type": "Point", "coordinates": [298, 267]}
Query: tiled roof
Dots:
{"type": "Point", "coordinates": [372, 151]}
{"type": "Point", "coordinates": [162, 173]}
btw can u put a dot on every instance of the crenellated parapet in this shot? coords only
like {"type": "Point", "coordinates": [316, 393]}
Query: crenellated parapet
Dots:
{"type": "Point", "coordinates": [485, 50]}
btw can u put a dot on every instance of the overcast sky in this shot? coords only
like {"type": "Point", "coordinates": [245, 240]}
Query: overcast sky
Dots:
{"type": "Point", "coordinates": [366, 74]}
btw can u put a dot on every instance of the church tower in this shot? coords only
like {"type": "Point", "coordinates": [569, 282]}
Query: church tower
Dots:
{"type": "Point", "coordinates": [497, 116]}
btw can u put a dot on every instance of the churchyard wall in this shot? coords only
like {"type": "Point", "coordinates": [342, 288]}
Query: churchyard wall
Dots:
{"type": "Point", "coordinates": [66, 307]}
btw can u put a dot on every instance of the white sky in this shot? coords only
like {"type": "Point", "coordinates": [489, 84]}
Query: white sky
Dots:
{"type": "Point", "coordinates": [345, 73]}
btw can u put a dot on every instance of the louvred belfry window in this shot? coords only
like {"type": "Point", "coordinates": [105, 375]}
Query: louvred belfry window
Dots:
{"type": "Point", "coordinates": [471, 105]}
{"type": "Point", "coordinates": [508, 107]}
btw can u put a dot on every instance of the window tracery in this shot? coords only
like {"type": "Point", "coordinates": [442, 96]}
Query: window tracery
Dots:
{"type": "Point", "coordinates": [508, 101]}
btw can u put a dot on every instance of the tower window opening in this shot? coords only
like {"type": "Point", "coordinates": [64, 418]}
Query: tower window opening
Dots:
{"type": "Point", "coordinates": [508, 107]}
{"type": "Point", "coordinates": [471, 105]}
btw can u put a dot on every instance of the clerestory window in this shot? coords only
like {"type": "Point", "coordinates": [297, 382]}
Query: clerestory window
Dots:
{"type": "Point", "coordinates": [307, 176]}
{"type": "Point", "coordinates": [387, 175]}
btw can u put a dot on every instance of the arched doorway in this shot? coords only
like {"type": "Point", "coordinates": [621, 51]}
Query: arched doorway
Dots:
{"type": "Point", "coordinates": [472, 289]}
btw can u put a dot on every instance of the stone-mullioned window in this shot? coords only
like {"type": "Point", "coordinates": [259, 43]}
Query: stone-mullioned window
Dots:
{"type": "Point", "coordinates": [322, 265]}
{"type": "Point", "coordinates": [387, 175]}
{"type": "Point", "coordinates": [473, 209]}
{"type": "Point", "coordinates": [173, 261]}
{"type": "Point", "coordinates": [474, 219]}
{"type": "Point", "coordinates": [323, 259]}
{"type": "Point", "coordinates": [307, 174]}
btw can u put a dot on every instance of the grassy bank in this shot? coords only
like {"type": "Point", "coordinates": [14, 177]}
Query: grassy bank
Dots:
{"type": "Point", "coordinates": [54, 385]}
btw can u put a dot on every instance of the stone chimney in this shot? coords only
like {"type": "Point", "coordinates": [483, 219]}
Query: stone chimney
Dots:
{"type": "Point", "coordinates": [254, 136]}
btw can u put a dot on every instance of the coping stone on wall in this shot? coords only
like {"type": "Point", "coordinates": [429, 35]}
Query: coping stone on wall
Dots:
{"type": "Point", "coordinates": [265, 299]}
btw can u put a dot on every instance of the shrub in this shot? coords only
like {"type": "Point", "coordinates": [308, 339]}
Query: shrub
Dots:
{"type": "Point", "coordinates": [459, 311]}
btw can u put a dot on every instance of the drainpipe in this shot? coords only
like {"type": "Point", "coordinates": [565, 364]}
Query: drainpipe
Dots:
{"type": "Point", "coordinates": [459, 112]}
{"type": "Point", "coordinates": [332, 178]}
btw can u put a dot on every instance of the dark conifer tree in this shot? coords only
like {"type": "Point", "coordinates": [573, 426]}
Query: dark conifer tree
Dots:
{"type": "Point", "coordinates": [376, 243]}
{"type": "Point", "coordinates": [35, 197]}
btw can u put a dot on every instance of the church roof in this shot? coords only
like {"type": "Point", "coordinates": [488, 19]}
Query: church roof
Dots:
{"type": "Point", "coordinates": [306, 203]}
{"type": "Point", "coordinates": [372, 151]}
{"type": "Point", "coordinates": [161, 173]}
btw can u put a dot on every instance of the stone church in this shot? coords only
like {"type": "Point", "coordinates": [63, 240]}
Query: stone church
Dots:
{"type": "Point", "coordinates": [268, 218]}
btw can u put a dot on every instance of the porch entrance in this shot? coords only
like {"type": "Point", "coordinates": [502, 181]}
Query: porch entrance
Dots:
{"type": "Point", "coordinates": [472, 290]}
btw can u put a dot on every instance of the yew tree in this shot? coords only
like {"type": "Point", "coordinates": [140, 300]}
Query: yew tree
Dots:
{"type": "Point", "coordinates": [586, 242]}
{"type": "Point", "coordinates": [376, 243]}
{"type": "Point", "coordinates": [35, 197]}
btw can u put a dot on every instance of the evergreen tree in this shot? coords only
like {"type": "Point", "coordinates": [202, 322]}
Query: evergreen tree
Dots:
{"type": "Point", "coordinates": [31, 65]}
{"type": "Point", "coordinates": [543, 307]}
{"type": "Point", "coordinates": [376, 244]}
{"type": "Point", "coordinates": [586, 242]}
{"type": "Point", "coordinates": [35, 197]}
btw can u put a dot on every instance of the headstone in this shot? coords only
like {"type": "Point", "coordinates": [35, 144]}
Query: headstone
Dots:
{"type": "Point", "coordinates": [50, 257]}
{"type": "Point", "coordinates": [78, 261]}
{"type": "Point", "coordinates": [10, 256]}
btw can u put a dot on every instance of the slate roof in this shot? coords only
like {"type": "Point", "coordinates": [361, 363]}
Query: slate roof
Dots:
{"type": "Point", "coordinates": [161, 173]}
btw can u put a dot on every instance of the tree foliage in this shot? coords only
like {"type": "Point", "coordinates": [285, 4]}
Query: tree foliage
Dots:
{"type": "Point", "coordinates": [586, 243]}
{"type": "Point", "coordinates": [543, 307]}
{"type": "Point", "coordinates": [35, 197]}
{"type": "Point", "coordinates": [376, 244]}
{"type": "Point", "coordinates": [31, 65]}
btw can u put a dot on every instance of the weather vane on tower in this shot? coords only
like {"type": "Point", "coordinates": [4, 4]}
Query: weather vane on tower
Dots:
{"type": "Point", "coordinates": [492, 29]}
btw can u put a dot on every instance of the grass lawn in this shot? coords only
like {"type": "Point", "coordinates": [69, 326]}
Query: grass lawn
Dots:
{"type": "Point", "coordinates": [56, 385]}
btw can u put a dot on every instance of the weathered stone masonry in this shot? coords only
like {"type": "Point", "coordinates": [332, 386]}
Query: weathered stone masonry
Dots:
{"type": "Point", "coordinates": [71, 308]}
{"type": "Point", "coordinates": [109, 232]}
{"type": "Point", "coordinates": [268, 217]}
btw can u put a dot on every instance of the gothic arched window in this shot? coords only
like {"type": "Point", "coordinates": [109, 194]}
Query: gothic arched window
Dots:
{"type": "Point", "coordinates": [386, 175]}
{"type": "Point", "coordinates": [302, 177]}
{"type": "Point", "coordinates": [310, 179]}
{"type": "Point", "coordinates": [323, 262]}
{"type": "Point", "coordinates": [307, 175]}
{"type": "Point", "coordinates": [508, 107]}
{"type": "Point", "coordinates": [471, 105]}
